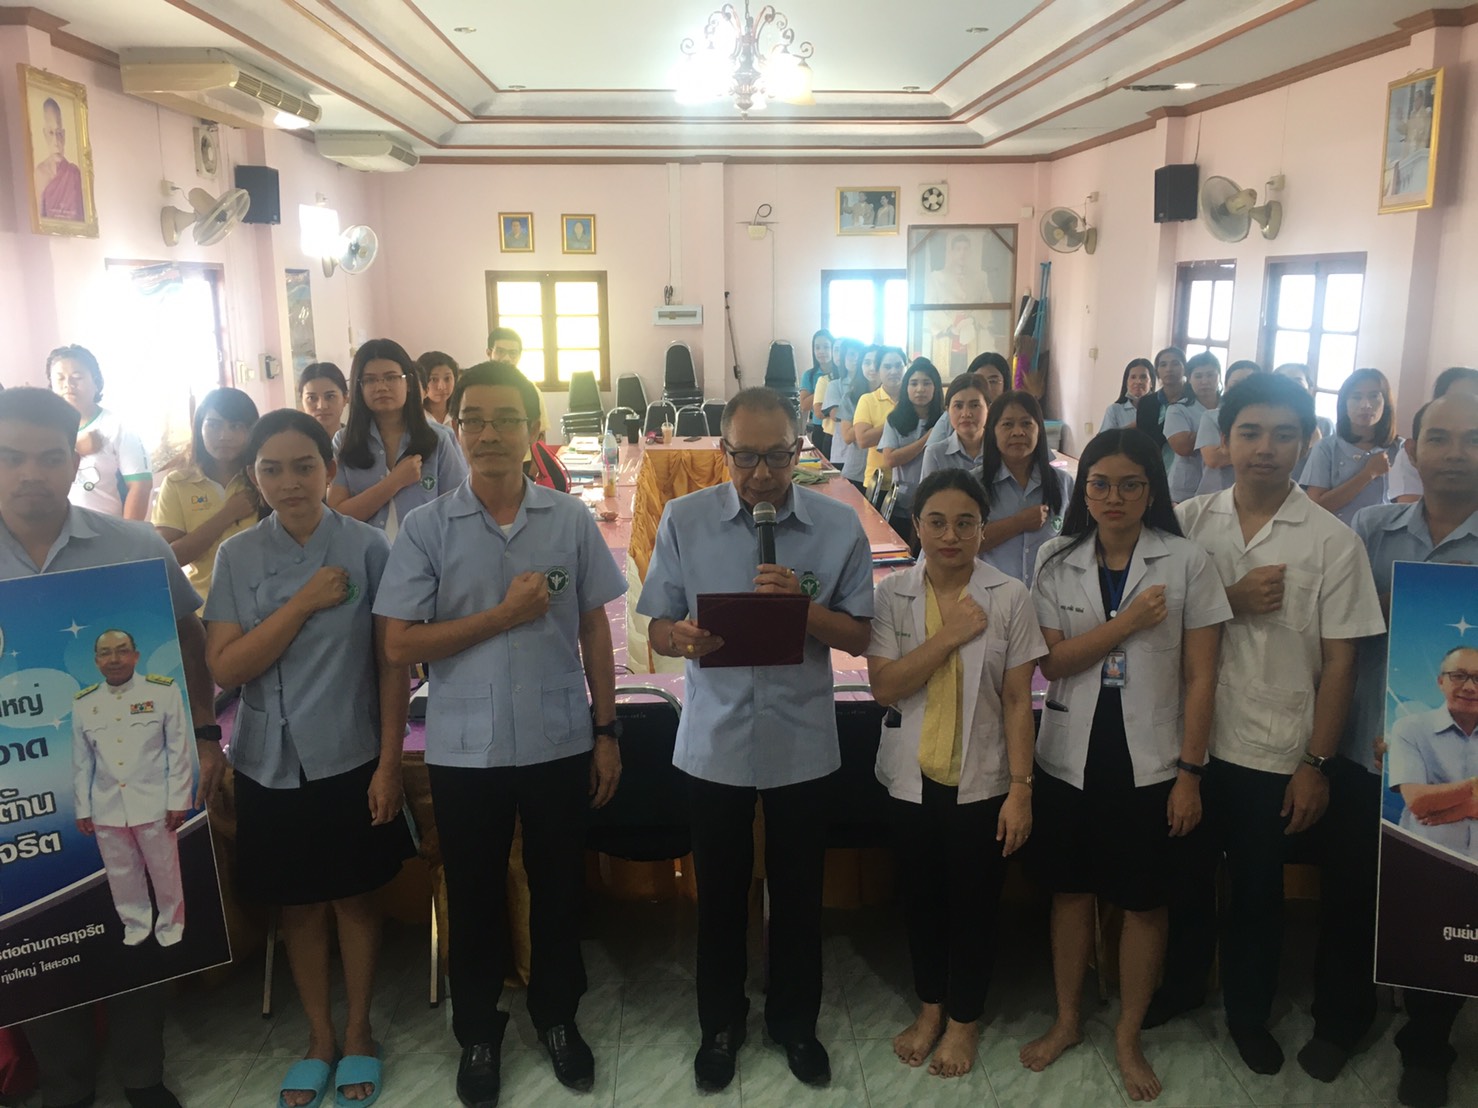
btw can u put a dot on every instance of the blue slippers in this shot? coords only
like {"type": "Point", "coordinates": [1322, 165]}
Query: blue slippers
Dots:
{"type": "Point", "coordinates": [357, 1069]}
{"type": "Point", "coordinates": [309, 1075]}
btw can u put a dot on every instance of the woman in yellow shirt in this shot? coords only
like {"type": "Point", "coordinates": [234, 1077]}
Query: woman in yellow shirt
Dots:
{"type": "Point", "coordinates": [208, 499]}
{"type": "Point", "coordinates": [954, 643]}
{"type": "Point", "coordinates": [873, 409]}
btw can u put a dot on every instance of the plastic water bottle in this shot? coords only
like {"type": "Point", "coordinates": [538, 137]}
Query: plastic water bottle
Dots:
{"type": "Point", "coordinates": [610, 461]}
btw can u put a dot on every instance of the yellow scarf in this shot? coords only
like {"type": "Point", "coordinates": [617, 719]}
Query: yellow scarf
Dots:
{"type": "Point", "coordinates": [940, 746]}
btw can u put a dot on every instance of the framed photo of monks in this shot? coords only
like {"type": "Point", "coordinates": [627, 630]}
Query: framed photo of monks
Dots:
{"type": "Point", "coordinates": [58, 154]}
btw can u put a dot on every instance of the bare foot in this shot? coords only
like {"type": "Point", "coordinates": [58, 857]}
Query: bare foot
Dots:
{"type": "Point", "coordinates": [363, 1043]}
{"type": "Point", "coordinates": [955, 1055]}
{"type": "Point", "coordinates": [914, 1042]}
{"type": "Point", "coordinates": [1038, 1054]}
{"type": "Point", "coordinates": [323, 1052]}
{"type": "Point", "coordinates": [1139, 1078]}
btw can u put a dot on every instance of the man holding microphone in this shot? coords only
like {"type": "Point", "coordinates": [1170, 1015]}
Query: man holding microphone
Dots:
{"type": "Point", "coordinates": [771, 733]}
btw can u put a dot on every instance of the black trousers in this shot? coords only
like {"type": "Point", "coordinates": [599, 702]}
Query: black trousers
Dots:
{"type": "Point", "coordinates": [474, 820]}
{"type": "Point", "coordinates": [1426, 1040]}
{"type": "Point", "coordinates": [820, 439]}
{"type": "Point", "coordinates": [66, 1051]}
{"type": "Point", "coordinates": [952, 870]}
{"type": "Point", "coordinates": [1243, 821]}
{"type": "Point", "coordinates": [723, 863]}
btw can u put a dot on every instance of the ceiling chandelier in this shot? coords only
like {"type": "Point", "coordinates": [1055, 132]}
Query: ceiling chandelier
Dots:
{"type": "Point", "coordinates": [751, 58]}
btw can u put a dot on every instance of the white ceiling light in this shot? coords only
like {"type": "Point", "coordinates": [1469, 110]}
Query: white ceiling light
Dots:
{"type": "Point", "coordinates": [750, 58]}
{"type": "Point", "coordinates": [286, 121]}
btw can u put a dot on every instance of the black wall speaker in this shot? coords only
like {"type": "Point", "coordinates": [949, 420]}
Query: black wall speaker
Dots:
{"type": "Point", "coordinates": [260, 182]}
{"type": "Point", "coordinates": [1175, 193]}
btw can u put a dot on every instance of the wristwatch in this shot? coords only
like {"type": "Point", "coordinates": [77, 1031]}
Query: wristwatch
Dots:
{"type": "Point", "coordinates": [208, 733]}
{"type": "Point", "coordinates": [1190, 767]}
{"type": "Point", "coordinates": [610, 730]}
{"type": "Point", "coordinates": [1320, 764]}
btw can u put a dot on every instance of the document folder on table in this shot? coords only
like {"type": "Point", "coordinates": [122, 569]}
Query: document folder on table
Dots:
{"type": "Point", "coordinates": [758, 629]}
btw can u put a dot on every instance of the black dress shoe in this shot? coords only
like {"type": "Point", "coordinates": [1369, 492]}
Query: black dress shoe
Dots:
{"type": "Point", "coordinates": [574, 1065]}
{"type": "Point", "coordinates": [713, 1066]}
{"type": "Point", "coordinates": [155, 1096]}
{"type": "Point", "coordinates": [1422, 1087]}
{"type": "Point", "coordinates": [808, 1061]}
{"type": "Point", "coordinates": [479, 1077]}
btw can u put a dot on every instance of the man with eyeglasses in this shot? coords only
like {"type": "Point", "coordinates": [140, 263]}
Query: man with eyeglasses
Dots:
{"type": "Point", "coordinates": [770, 732]}
{"type": "Point", "coordinates": [1440, 527]}
{"type": "Point", "coordinates": [501, 586]}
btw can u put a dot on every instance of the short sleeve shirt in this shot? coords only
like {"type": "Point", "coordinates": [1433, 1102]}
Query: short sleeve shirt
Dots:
{"type": "Point", "coordinates": [518, 698]}
{"type": "Point", "coordinates": [187, 499]}
{"type": "Point", "coordinates": [1333, 461]}
{"type": "Point", "coordinates": [1403, 480]}
{"type": "Point", "coordinates": [1429, 748]}
{"type": "Point", "coordinates": [1270, 664]}
{"type": "Point", "coordinates": [1017, 556]}
{"type": "Point", "coordinates": [873, 409]}
{"type": "Point", "coordinates": [1118, 414]}
{"type": "Point", "coordinates": [122, 458]}
{"type": "Point", "coordinates": [905, 477]}
{"type": "Point", "coordinates": [948, 453]}
{"type": "Point", "coordinates": [1185, 472]}
{"type": "Point", "coordinates": [440, 473]}
{"type": "Point", "coordinates": [315, 712]}
{"type": "Point", "coordinates": [808, 384]}
{"type": "Point", "coordinates": [1213, 478]}
{"type": "Point", "coordinates": [761, 728]}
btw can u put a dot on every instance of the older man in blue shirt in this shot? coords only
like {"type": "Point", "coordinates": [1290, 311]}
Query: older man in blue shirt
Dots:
{"type": "Point", "coordinates": [770, 731]}
{"type": "Point", "coordinates": [1440, 527]}
{"type": "Point", "coordinates": [40, 532]}
{"type": "Point", "coordinates": [501, 585]}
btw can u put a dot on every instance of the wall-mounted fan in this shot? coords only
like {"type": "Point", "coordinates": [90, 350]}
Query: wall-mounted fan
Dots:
{"type": "Point", "coordinates": [212, 218]}
{"type": "Point", "coordinates": [1065, 231]}
{"type": "Point", "coordinates": [934, 198]}
{"type": "Point", "coordinates": [1229, 211]}
{"type": "Point", "coordinates": [356, 252]}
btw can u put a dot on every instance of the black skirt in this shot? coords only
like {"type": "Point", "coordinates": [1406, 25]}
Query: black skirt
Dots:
{"type": "Point", "coordinates": [314, 843]}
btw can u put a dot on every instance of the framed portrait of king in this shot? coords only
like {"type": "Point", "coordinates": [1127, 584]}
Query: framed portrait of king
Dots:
{"type": "Point", "coordinates": [961, 279]}
{"type": "Point", "coordinates": [58, 154]}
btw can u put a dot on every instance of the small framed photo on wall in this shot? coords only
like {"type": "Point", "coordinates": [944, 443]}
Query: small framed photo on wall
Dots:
{"type": "Point", "coordinates": [579, 234]}
{"type": "Point", "coordinates": [1409, 158]}
{"type": "Point", "coordinates": [516, 232]}
{"type": "Point", "coordinates": [867, 211]}
{"type": "Point", "coordinates": [58, 154]}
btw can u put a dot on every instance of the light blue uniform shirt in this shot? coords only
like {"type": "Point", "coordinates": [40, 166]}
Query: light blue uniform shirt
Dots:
{"type": "Point", "coordinates": [940, 431]}
{"type": "Point", "coordinates": [808, 384]}
{"type": "Point", "coordinates": [315, 712]}
{"type": "Point", "coordinates": [1117, 415]}
{"type": "Point", "coordinates": [854, 466]}
{"type": "Point", "coordinates": [1212, 479]}
{"type": "Point", "coordinates": [1017, 556]}
{"type": "Point", "coordinates": [1392, 533]}
{"type": "Point", "coordinates": [440, 473]}
{"type": "Point", "coordinates": [775, 726]}
{"type": "Point", "coordinates": [949, 453]}
{"type": "Point", "coordinates": [846, 408]}
{"type": "Point", "coordinates": [1185, 473]}
{"type": "Point", "coordinates": [90, 539]}
{"type": "Point", "coordinates": [1333, 461]}
{"type": "Point", "coordinates": [519, 698]}
{"type": "Point", "coordinates": [1429, 748]}
{"type": "Point", "coordinates": [905, 477]}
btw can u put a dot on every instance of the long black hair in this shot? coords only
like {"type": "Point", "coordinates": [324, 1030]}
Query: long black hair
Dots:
{"type": "Point", "coordinates": [287, 419]}
{"type": "Point", "coordinates": [354, 451]}
{"type": "Point", "coordinates": [232, 405]}
{"type": "Point", "coordinates": [903, 417]}
{"type": "Point", "coordinates": [990, 455]}
{"type": "Point", "coordinates": [1130, 368]}
{"type": "Point", "coordinates": [325, 371]}
{"type": "Point", "coordinates": [860, 385]}
{"type": "Point", "coordinates": [832, 342]}
{"type": "Point", "coordinates": [1078, 523]}
{"type": "Point", "coordinates": [1384, 431]}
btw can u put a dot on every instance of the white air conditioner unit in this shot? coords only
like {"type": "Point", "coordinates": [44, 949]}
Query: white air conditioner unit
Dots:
{"type": "Point", "coordinates": [371, 152]}
{"type": "Point", "coordinates": [678, 315]}
{"type": "Point", "coordinates": [213, 85]}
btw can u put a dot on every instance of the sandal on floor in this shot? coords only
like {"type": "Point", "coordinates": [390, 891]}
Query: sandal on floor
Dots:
{"type": "Point", "coordinates": [357, 1069]}
{"type": "Point", "coordinates": [311, 1075]}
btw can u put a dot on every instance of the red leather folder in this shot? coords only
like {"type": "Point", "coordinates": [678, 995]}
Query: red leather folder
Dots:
{"type": "Point", "coordinates": [758, 629]}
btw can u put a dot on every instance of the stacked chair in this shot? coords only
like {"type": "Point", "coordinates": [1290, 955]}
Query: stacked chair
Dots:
{"type": "Point", "coordinates": [679, 382]}
{"type": "Point", "coordinates": [780, 373]}
{"type": "Point", "coordinates": [585, 415]}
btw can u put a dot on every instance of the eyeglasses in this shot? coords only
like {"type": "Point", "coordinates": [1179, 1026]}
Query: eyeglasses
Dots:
{"type": "Point", "coordinates": [936, 527]}
{"type": "Point", "coordinates": [1130, 488]}
{"type": "Point", "coordinates": [1460, 677]}
{"type": "Point", "coordinates": [748, 459]}
{"type": "Point", "coordinates": [473, 426]}
{"type": "Point", "coordinates": [387, 379]}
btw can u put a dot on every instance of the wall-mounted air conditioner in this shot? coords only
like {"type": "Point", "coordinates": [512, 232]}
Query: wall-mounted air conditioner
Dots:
{"type": "Point", "coordinates": [366, 150]}
{"type": "Point", "coordinates": [211, 84]}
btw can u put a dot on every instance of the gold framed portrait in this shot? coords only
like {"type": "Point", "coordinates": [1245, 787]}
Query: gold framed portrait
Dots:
{"type": "Point", "coordinates": [867, 211]}
{"type": "Point", "coordinates": [516, 232]}
{"type": "Point", "coordinates": [577, 234]}
{"type": "Point", "coordinates": [1408, 171]}
{"type": "Point", "coordinates": [58, 154]}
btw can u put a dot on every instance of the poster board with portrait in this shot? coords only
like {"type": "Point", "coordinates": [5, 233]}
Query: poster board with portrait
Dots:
{"type": "Point", "coordinates": [108, 879]}
{"type": "Point", "coordinates": [1409, 142]}
{"type": "Point", "coordinates": [58, 154]}
{"type": "Point", "coordinates": [961, 282]}
{"type": "Point", "coordinates": [300, 320]}
{"type": "Point", "coordinates": [1427, 921]}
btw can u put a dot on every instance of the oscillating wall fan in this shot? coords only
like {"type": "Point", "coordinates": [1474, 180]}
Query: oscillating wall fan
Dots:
{"type": "Point", "coordinates": [212, 218]}
{"type": "Point", "coordinates": [1229, 211]}
{"type": "Point", "coordinates": [356, 252]}
{"type": "Point", "coordinates": [1065, 231]}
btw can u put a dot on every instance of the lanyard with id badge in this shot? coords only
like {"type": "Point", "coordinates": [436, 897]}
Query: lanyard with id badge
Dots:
{"type": "Point", "coordinates": [1115, 673]}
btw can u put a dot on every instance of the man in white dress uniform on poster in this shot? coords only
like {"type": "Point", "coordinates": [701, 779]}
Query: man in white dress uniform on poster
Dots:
{"type": "Point", "coordinates": [133, 773]}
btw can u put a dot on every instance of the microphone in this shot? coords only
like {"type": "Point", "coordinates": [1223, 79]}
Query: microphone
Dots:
{"type": "Point", "coordinates": [764, 523]}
